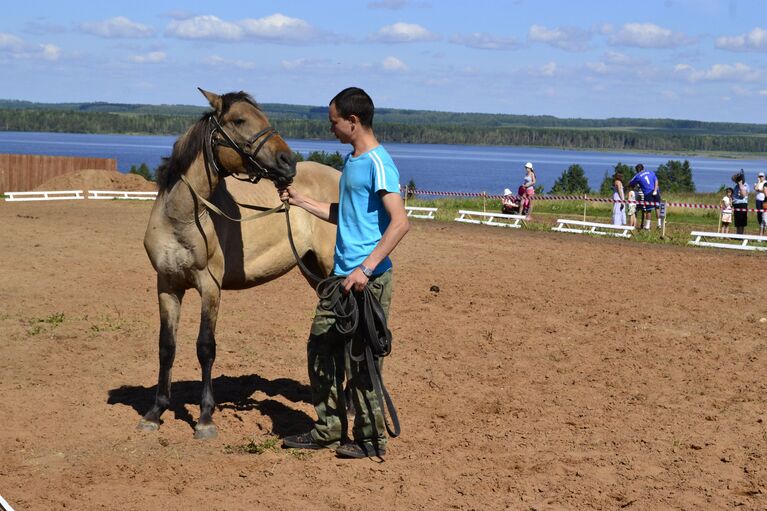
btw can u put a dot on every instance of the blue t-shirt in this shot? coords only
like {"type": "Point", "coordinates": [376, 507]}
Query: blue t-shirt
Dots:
{"type": "Point", "coordinates": [646, 180]}
{"type": "Point", "coordinates": [362, 218]}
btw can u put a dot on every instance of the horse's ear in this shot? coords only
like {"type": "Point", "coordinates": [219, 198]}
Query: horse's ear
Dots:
{"type": "Point", "coordinates": [213, 99]}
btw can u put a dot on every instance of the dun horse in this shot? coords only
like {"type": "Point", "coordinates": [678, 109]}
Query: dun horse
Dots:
{"type": "Point", "coordinates": [190, 247]}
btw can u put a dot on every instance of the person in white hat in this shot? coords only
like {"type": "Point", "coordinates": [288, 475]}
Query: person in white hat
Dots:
{"type": "Point", "coordinates": [527, 190]}
{"type": "Point", "coordinates": [759, 188]}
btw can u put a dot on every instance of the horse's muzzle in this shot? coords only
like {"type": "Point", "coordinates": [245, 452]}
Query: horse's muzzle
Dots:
{"type": "Point", "coordinates": [285, 169]}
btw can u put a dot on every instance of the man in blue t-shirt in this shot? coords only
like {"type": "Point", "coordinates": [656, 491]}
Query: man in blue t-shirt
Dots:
{"type": "Point", "coordinates": [371, 220]}
{"type": "Point", "coordinates": [648, 182]}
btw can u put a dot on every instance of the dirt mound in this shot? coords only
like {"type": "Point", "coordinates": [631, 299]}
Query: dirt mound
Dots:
{"type": "Point", "coordinates": [97, 179]}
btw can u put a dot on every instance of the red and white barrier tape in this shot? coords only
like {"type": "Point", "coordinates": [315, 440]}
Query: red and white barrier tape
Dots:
{"type": "Point", "coordinates": [587, 198]}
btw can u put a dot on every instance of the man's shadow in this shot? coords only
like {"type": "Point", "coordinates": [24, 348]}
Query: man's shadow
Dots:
{"type": "Point", "coordinates": [232, 392]}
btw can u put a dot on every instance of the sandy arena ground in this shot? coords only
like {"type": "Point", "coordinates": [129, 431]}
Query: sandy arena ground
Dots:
{"type": "Point", "coordinates": [550, 371]}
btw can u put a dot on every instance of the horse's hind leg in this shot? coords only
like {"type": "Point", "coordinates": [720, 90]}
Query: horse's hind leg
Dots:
{"type": "Point", "coordinates": [210, 294]}
{"type": "Point", "coordinates": [170, 309]}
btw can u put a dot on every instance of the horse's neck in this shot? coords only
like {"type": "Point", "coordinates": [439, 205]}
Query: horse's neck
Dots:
{"type": "Point", "coordinates": [180, 201]}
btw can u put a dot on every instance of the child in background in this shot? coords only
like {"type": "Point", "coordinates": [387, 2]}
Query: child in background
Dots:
{"type": "Point", "coordinates": [726, 204]}
{"type": "Point", "coordinates": [632, 208]}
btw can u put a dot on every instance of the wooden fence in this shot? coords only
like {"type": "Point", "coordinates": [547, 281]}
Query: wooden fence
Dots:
{"type": "Point", "coordinates": [24, 172]}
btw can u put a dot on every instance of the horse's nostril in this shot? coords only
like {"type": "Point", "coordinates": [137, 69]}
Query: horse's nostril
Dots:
{"type": "Point", "coordinates": [285, 160]}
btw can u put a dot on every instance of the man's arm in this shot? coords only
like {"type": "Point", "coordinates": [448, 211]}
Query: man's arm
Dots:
{"type": "Point", "coordinates": [327, 211]}
{"type": "Point", "coordinates": [398, 227]}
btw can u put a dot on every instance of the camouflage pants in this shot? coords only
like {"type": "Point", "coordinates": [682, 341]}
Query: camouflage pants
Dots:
{"type": "Point", "coordinates": [328, 366]}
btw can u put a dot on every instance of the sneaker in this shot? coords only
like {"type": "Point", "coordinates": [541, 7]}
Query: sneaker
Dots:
{"type": "Point", "coordinates": [360, 450]}
{"type": "Point", "coordinates": [305, 441]}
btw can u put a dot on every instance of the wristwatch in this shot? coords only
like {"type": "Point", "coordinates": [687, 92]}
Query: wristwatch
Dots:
{"type": "Point", "coordinates": [365, 270]}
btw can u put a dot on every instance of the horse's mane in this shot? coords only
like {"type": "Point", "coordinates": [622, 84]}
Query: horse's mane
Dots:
{"type": "Point", "coordinates": [189, 145]}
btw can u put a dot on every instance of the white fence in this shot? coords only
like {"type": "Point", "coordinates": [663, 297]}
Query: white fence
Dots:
{"type": "Point", "coordinates": [579, 226]}
{"type": "Point", "coordinates": [740, 239]}
{"type": "Point", "coordinates": [416, 212]}
{"type": "Point", "coordinates": [107, 194]}
{"type": "Point", "coordinates": [78, 194]}
{"type": "Point", "coordinates": [58, 195]}
{"type": "Point", "coordinates": [496, 219]}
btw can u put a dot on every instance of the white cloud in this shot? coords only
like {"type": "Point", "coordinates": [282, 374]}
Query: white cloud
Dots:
{"type": "Point", "coordinates": [549, 69]}
{"type": "Point", "coordinates": [310, 64]}
{"type": "Point", "coordinates": [119, 26]}
{"type": "Point", "coordinates": [546, 70]}
{"type": "Point", "coordinates": [616, 63]}
{"type": "Point", "coordinates": [763, 92]}
{"type": "Point", "coordinates": [394, 64]}
{"type": "Point", "coordinates": [718, 72]}
{"type": "Point", "coordinates": [50, 51]}
{"type": "Point", "coordinates": [276, 28]}
{"type": "Point", "coordinates": [614, 57]}
{"type": "Point", "coordinates": [19, 49]}
{"type": "Point", "coordinates": [484, 41]}
{"type": "Point", "coordinates": [564, 38]}
{"type": "Point", "coordinates": [756, 40]}
{"type": "Point", "coordinates": [10, 42]}
{"type": "Point", "coordinates": [215, 60]}
{"type": "Point", "coordinates": [598, 67]}
{"type": "Point", "coordinates": [388, 4]}
{"type": "Point", "coordinates": [648, 35]}
{"type": "Point", "coordinates": [403, 33]}
{"type": "Point", "coordinates": [150, 58]}
{"type": "Point", "coordinates": [204, 27]}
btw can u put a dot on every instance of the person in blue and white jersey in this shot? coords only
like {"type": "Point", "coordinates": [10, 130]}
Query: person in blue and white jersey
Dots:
{"type": "Point", "coordinates": [648, 182]}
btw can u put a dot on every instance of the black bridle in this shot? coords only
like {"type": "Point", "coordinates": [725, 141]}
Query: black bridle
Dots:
{"type": "Point", "coordinates": [256, 171]}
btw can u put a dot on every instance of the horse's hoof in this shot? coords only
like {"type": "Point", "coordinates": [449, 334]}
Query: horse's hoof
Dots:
{"type": "Point", "coordinates": [205, 431]}
{"type": "Point", "coordinates": [147, 425]}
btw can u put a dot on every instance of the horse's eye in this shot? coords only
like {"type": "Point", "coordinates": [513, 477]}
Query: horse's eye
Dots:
{"type": "Point", "coordinates": [238, 122]}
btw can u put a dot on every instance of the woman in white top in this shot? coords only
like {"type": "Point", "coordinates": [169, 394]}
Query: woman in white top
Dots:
{"type": "Point", "coordinates": [759, 189]}
{"type": "Point", "coordinates": [619, 209]}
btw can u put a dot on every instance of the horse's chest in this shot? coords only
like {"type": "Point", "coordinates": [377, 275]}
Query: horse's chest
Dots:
{"type": "Point", "coordinates": [177, 256]}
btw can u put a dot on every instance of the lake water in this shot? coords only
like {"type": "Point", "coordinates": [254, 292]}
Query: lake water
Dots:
{"type": "Point", "coordinates": [433, 167]}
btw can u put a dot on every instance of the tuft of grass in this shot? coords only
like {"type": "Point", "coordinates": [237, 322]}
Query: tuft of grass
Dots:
{"type": "Point", "coordinates": [253, 447]}
{"type": "Point", "coordinates": [107, 324]}
{"type": "Point", "coordinates": [37, 325]}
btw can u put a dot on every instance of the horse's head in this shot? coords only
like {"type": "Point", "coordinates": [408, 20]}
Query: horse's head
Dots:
{"type": "Point", "coordinates": [246, 142]}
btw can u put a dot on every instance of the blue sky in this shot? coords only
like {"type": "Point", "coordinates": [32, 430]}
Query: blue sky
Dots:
{"type": "Point", "coordinates": [689, 59]}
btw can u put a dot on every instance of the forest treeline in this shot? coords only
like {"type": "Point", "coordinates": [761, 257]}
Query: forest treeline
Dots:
{"type": "Point", "coordinates": [405, 126]}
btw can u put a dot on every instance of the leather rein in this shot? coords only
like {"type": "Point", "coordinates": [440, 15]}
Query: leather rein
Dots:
{"type": "Point", "coordinates": [211, 161]}
{"type": "Point", "coordinates": [211, 142]}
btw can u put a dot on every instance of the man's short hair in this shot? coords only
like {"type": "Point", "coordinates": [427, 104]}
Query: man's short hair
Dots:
{"type": "Point", "coordinates": [639, 167]}
{"type": "Point", "coordinates": [355, 101]}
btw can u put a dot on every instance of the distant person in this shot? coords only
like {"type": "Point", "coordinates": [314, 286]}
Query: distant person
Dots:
{"type": "Point", "coordinates": [619, 208]}
{"type": "Point", "coordinates": [648, 182]}
{"type": "Point", "coordinates": [726, 205]}
{"type": "Point", "coordinates": [759, 189]}
{"type": "Point", "coordinates": [740, 202]}
{"type": "Point", "coordinates": [527, 190]}
{"type": "Point", "coordinates": [632, 208]}
{"type": "Point", "coordinates": [509, 203]}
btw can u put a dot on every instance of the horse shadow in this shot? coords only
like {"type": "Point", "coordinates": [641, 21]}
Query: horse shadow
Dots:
{"type": "Point", "coordinates": [232, 392]}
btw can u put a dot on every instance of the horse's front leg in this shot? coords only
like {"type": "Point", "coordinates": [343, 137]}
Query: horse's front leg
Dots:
{"type": "Point", "coordinates": [169, 299]}
{"type": "Point", "coordinates": [210, 293]}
